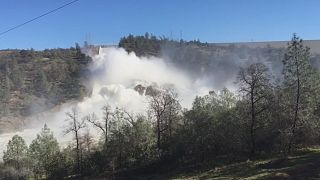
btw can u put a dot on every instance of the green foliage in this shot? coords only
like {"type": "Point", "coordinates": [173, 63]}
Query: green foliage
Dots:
{"type": "Point", "coordinates": [42, 86]}
{"type": "Point", "coordinates": [208, 126]}
{"type": "Point", "coordinates": [131, 140]}
{"type": "Point", "coordinates": [257, 94]}
{"type": "Point", "coordinates": [57, 167]}
{"type": "Point", "coordinates": [299, 87]}
{"type": "Point", "coordinates": [132, 143]}
{"type": "Point", "coordinates": [141, 45]}
{"type": "Point", "coordinates": [15, 74]}
{"type": "Point", "coordinates": [150, 45]}
{"type": "Point", "coordinates": [43, 151]}
{"type": "Point", "coordinates": [15, 159]}
{"type": "Point", "coordinates": [219, 126]}
{"type": "Point", "coordinates": [48, 77]}
{"type": "Point", "coordinates": [16, 153]}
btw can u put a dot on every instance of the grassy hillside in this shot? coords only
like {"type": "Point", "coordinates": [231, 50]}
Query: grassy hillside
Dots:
{"type": "Point", "coordinates": [301, 164]}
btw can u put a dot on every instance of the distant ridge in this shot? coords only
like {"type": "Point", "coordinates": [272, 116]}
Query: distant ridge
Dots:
{"type": "Point", "coordinates": [313, 44]}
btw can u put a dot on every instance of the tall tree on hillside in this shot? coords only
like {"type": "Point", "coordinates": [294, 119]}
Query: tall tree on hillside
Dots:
{"type": "Point", "coordinates": [75, 125]}
{"type": "Point", "coordinates": [164, 106]}
{"type": "Point", "coordinates": [209, 126]}
{"type": "Point", "coordinates": [16, 153]}
{"type": "Point", "coordinates": [5, 87]}
{"type": "Point", "coordinates": [16, 74]}
{"type": "Point", "coordinates": [255, 86]}
{"type": "Point", "coordinates": [297, 73]}
{"type": "Point", "coordinates": [42, 85]}
{"type": "Point", "coordinates": [78, 51]}
{"type": "Point", "coordinates": [42, 150]}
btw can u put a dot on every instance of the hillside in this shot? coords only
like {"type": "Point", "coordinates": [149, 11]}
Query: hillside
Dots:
{"type": "Point", "coordinates": [313, 44]}
{"type": "Point", "coordinates": [218, 62]}
{"type": "Point", "coordinates": [34, 81]}
{"type": "Point", "coordinates": [302, 164]}
{"type": "Point", "coordinates": [152, 45]}
{"type": "Point", "coordinates": [247, 124]}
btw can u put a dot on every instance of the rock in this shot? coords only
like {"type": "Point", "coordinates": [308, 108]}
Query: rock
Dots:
{"type": "Point", "coordinates": [140, 89]}
{"type": "Point", "coordinates": [151, 91]}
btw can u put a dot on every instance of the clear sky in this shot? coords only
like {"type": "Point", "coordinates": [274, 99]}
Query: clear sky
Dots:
{"type": "Point", "coordinates": [106, 21]}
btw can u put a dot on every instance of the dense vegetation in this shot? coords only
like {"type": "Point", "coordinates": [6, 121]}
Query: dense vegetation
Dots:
{"type": "Point", "coordinates": [266, 117]}
{"type": "Point", "coordinates": [34, 81]}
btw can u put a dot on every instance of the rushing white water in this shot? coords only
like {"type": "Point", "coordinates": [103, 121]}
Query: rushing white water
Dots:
{"type": "Point", "coordinates": [115, 73]}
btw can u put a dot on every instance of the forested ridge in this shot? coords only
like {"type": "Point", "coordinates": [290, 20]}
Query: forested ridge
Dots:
{"type": "Point", "coordinates": [217, 62]}
{"type": "Point", "coordinates": [35, 81]}
{"type": "Point", "coordinates": [268, 117]}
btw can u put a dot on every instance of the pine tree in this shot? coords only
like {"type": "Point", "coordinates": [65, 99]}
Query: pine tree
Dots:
{"type": "Point", "coordinates": [297, 73]}
{"type": "Point", "coordinates": [16, 153]}
{"type": "Point", "coordinates": [41, 150]}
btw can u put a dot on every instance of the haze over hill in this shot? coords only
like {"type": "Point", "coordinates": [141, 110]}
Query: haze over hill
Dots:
{"type": "Point", "coordinates": [212, 66]}
{"type": "Point", "coordinates": [218, 90]}
{"type": "Point", "coordinates": [40, 87]}
{"type": "Point", "coordinates": [313, 44]}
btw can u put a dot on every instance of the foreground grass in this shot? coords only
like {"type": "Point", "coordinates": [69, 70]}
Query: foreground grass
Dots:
{"type": "Point", "coordinates": [302, 164]}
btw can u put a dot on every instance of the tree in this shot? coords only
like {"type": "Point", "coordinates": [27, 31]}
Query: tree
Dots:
{"type": "Point", "coordinates": [58, 168]}
{"type": "Point", "coordinates": [75, 125]}
{"type": "Point", "coordinates": [140, 139]}
{"type": "Point", "coordinates": [103, 125]}
{"type": "Point", "coordinates": [254, 82]}
{"type": "Point", "coordinates": [16, 153]}
{"type": "Point", "coordinates": [16, 74]}
{"type": "Point", "coordinates": [5, 88]}
{"type": "Point", "coordinates": [42, 85]}
{"type": "Point", "coordinates": [297, 83]}
{"type": "Point", "coordinates": [164, 106]}
{"type": "Point", "coordinates": [255, 86]}
{"type": "Point", "coordinates": [210, 127]}
{"type": "Point", "coordinates": [42, 150]}
{"type": "Point", "coordinates": [88, 140]}
{"type": "Point", "coordinates": [131, 140]}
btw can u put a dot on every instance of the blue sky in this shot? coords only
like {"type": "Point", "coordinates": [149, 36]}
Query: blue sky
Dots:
{"type": "Point", "coordinates": [106, 21]}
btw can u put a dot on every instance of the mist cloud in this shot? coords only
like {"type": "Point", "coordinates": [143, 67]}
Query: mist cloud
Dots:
{"type": "Point", "coordinates": [114, 75]}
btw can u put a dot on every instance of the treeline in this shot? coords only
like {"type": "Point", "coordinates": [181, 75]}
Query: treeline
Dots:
{"type": "Point", "coordinates": [200, 59]}
{"type": "Point", "coordinates": [267, 115]}
{"type": "Point", "coordinates": [151, 45]}
{"type": "Point", "coordinates": [33, 81]}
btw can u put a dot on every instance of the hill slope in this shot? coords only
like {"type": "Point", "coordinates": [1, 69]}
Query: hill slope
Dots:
{"type": "Point", "coordinates": [302, 164]}
{"type": "Point", "coordinates": [34, 81]}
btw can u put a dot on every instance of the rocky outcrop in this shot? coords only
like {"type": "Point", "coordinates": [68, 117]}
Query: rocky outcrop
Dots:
{"type": "Point", "coordinates": [147, 91]}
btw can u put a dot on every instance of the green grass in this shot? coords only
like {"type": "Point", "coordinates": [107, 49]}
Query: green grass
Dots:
{"type": "Point", "coordinates": [302, 164]}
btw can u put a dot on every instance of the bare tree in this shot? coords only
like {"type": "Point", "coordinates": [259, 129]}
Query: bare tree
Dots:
{"type": "Point", "coordinates": [103, 125]}
{"type": "Point", "coordinates": [161, 106]}
{"type": "Point", "coordinates": [74, 126]}
{"type": "Point", "coordinates": [255, 86]}
{"type": "Point", "coordinates": [88, 140]}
